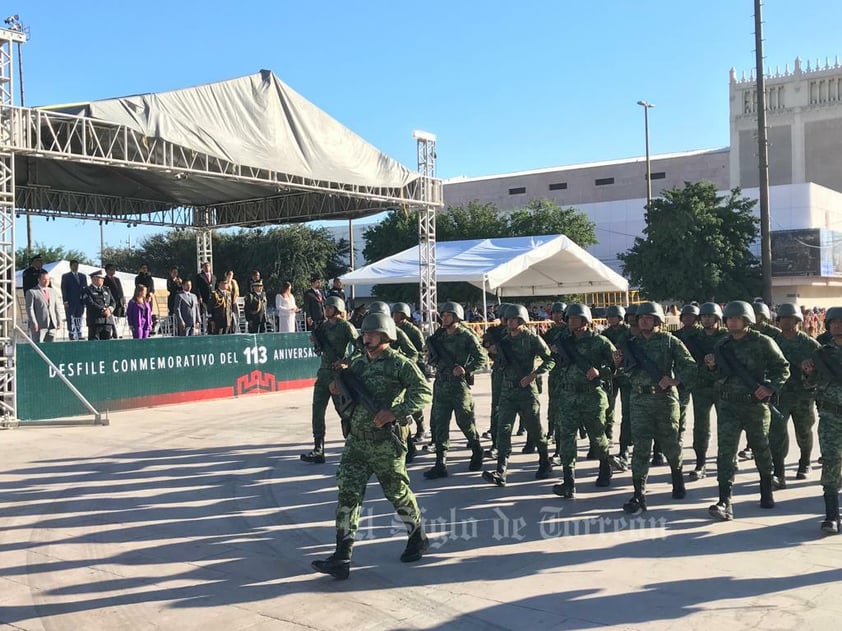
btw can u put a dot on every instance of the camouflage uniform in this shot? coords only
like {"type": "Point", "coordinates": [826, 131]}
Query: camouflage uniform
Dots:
{"type": "Point", "coordinates": [554, 393]}
{"type": "Point", "coordinates": [492, 333]}
{"type": "Point", "coordinates": [704, 398]}
{"type": "Point", "coordinates": [413, 333]}
{"type": "Point", "coordinates": [683, 391]}
{"type": "Point", "coordinates": [617, 335]}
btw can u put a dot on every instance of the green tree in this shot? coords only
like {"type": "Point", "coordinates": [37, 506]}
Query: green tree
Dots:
{"type": "Point", "coordinates": [696, 246]}
{"type": "Point", "coordinates": [50, 254]}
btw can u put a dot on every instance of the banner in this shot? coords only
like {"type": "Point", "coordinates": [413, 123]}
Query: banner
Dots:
{"type": "Point", "coordinates": [128, 373]}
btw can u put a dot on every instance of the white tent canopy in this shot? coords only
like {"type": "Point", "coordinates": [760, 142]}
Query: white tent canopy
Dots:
{"type": "Point", "coordinates": [514, 266]}
{"type": "Point", "coordinates": [58, 268]}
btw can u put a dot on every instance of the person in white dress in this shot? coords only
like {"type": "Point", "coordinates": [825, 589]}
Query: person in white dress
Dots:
{"type": "Point", "coordinates": [286, 308]}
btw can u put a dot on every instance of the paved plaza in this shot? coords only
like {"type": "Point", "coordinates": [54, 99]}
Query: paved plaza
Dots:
{"type": "Point", "coordinates": [202, 516]}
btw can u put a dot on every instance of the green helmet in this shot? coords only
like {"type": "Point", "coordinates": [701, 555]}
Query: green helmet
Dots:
{"type": "Point", "coordinates": [761, 311]}
{"type": "Point", "coordinates": [788, 309]}
{"type": "Point", "coordinates": [711, 308]}
{"type": "Point", "coordinates": [739, 309]}
{"type": "Point", "coordinates": [578, 309]}
{"type": "Point", "coordinates": [518, 311]}
{"type": "Point", "coordinates": [402, 307]}
{"type": "Point", "coordinates": [380, 323]}
{"type": "Point", "coordinates": [336, 302]}
{"type": "Point", "coordinates": [690, 310]}
{"type": "Point", "coordinates": [503, 310]}
{"type": "Point", "coordinates": [833, 313]}
{"type": "Point", "coordinates": [651, 308]}
{"type": "Point", "coordinates": [453, 307]}
{"type": "Point", "coordinates": [615, 311]}
{"type": "Point", "coordinates": [631, 311]}
{"type": "Point", "coordinates": [559, 307]}
{"type": "Point", "coordinates": [378, 306]}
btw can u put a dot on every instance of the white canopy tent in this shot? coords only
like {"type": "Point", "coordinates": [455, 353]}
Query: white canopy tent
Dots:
{"type": "Point", "coordinates": [548, 265]}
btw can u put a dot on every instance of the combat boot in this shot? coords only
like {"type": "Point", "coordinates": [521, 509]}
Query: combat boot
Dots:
{"type": "Point", "coordinates": [545, 469]}
{"type": "Point", "coordinates": [620, 462]}
{"type": "Point", "coordinates": [779, 474]}
{"type": "Point", "coordinates": [416, 546]}
{"type": "Point", "coordinates": [605, 473]}
{"type": "Point", "coordinates": [678, 490]}
{"type": "Point", "coordinates": [722, 509]}
{"type": "Point", "coordinates": [746, 454]}
{"type": "Point", "coordinates": [439, 470]}
{"type": "Point", "coordinates": [529, 447]}
{"type": "Point", "coordinates": [317, 456]}
{"type": "Point", "coordinates": [658, 459]}
{"type": "Point", "coordinates": [567, 489]}
{"type": "Point", "coordinates": [803, 467]}
{"type": "Point", "coordinates": [338, 564]}
{"type": "Point", "coordinates": [497, 477]}
{"type": "Point", "coordinates": [699, 472]}
{"type": "Point", "coordinates": [830, 526]}
{"type": "Point", "coordinates": [767, 500]}
{"type": "Point", "coordinates": [411, 451]}
{"type": "Point", "coordinates": [476, 457]}
{"type": "Point", "coordinates": [637, 502]}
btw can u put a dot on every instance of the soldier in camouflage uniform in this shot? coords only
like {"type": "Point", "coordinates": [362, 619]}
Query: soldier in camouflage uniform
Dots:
{"type": "Point", "coordinates": [687, 334]}
{"type": "Point", "coordinates": [749, 368]}
{"type": "Point", "coordinates": [401, 342]}
{"type": "Point", "coordinates": [338, 336]}
{"type": "Point", "coordinates": [796, 398]}
{"type": "Point", "coordinates": [524, 356]}
{"type": "Point", "coordinates": [460, 354]}
{"type": "Point", "coordinates": [655, 363]}
{"type": "Point", "coordinates": [376, 443]}
{"type": "Point", "coordinates": [583, 362]}
{"type": "Point", "coordinates": [617, 333]}
{"type": "Point", "coordinates": [825, 369]}
{"type": "Point", "coordinates": [493, 333]}
{"type": "Point", "coordinates": [402, 315]}
{"type": "Point", "coordinates": [704, 392]}
{"type": "Point", "coordinates": [554, 395]}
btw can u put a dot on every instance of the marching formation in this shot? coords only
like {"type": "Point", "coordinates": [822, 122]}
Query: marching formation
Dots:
{"type": "Point", "coordinates": [755, 375]}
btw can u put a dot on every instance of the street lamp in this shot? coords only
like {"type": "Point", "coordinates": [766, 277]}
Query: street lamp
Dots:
{"type": "Point", "coordinates": [646, 105]}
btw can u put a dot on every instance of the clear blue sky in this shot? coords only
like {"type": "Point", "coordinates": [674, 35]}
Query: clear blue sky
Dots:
{"type": "Point", "coordinates": [505, 86]}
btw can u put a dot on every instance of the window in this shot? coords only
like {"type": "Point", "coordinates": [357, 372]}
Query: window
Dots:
{"type": "Point", "coordinates": [558, 186]}
{"type": "Point", "coordinates": [518, 190]}
{"type": "Point", "coordinates": [660, 175]}
{"type": "Point", "coordinates": [603, 181]}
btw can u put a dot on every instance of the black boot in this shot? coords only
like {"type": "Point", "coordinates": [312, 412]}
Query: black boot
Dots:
{"type": "Point", "coordinates": [497, 477]}
{"type": "Point", "coordinates": [439, 470]}
{"type": "Point", "coordinates": [521, 430]}
{"type": "Point", "coordinates": [658, 459]}
{"type": "Point", "coordinates": [545, 469]}
{"type": "Point", "coordinates": [567, 489]}
{"type": "Point", "coordinates": [620, 462]}
{"type": "Point", "coordinates": [699, 472]}
{"type": "Point", "coordinates": [338, 564]}
{"type": "Point", "coordinates": [637, 502]}
{"type": "Point", "coordinates": [803, 467]}
{"type": "Point", "coordinates": [317, 456]}
{"type": "Point", "coordinates": [722, 509]}
{"type": "Point", "coordinates": [605, 473]}
{"type": "Point", "coordinates": [830, 526]}
{"type": "Point", "coordinates": [417, 545]}
{"type": "Point", "coordinates": [778, 475]}
{"type": "Point", "coordinates": [411, 451]}
{"type": "Point", "coordinates": [766, 498]}
{"type": "Point", "coordinates": [678, 490]}
{"type": "Point", "coordinates": [476, 457]}
{"type": "Point", "coordinates": [529, 447]}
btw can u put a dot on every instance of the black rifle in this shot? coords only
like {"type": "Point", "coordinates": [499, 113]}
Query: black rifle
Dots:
{"type": "Point", "coordinates": [696, 351]}
{"type": "Point", "coordinates": [730, 365]}
{"type": "Point", "coordinates": [353, 392]}
{"type": "Point", "coordinates": [634, 357]}
{"type": "Point", "coordinates": [320, 342]}
{"type": "Point", "coordinates": [440, 355]}
{"type": "Point", "coordinates": [826, 363]}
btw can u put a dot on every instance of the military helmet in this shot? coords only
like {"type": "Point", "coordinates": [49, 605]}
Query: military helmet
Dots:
{"type": "Point", "coordinates": [378, 306]}
{"type": "Point", "coordinates": [503, 310]}
{"type": "Point", "coordinates": [833, 313]}
{"type": "Point", "coordinates": [631, 312]}
{"type": "Point", "coordinates": [690, 310]}
{"type": "Point", "coordinates": [336, 302]}
{"type": "Point", "coordinates": [615, 311]}
{"type": "Point", "coordinates": [788, 309]}
{"type": "Point", "coordinates": [711, 308]}
{"type": "Point", "coordinates": [559, 307]}
{"type": "Point", "coordinates": [518, 311]}
{"type": "Point", "coordinates": [453, 307]}
{"type": "Point", "coordinates": [761, 311]}
{"type": "Point", "coordinates": [380, 323]}
{"type": "Point", "coordinates": [581, 310]}
{"type": "Point", "coordinates": [402, 307]}
{"type": "Point", "coordinates": [739, 309]}
{"type": "Point", "coordinates": [651, 308]}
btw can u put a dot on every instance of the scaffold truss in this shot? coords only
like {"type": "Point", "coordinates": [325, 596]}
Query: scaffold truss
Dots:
{"type": "Point", "coordinates": [428, 301]}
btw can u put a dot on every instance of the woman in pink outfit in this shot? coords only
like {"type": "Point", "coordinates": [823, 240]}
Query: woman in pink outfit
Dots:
{"type": "Point", "coordinates": [139, 314]}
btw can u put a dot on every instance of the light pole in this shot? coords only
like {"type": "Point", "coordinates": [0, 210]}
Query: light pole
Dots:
{"type": "Point", "coordinates": [646, 105]}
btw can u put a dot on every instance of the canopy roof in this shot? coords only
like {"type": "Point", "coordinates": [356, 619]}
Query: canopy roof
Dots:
{"type": "Point", "coordinates": [515, 266]}
{"type": "Point", "coordinates": [249, 150]}
{"type": "Point", "coordinates": [58, 268]}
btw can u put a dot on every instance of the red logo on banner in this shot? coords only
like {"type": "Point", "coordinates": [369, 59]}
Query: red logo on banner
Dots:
{"type": "Point", "coordinates": [255, 381]}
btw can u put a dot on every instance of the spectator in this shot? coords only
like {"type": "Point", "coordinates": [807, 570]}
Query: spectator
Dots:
{"type": "Point", "coordinates": [219, 310]}
{"type": "Point", "coordinates": [174, 286]}
{"type": "Point", "coordinates": [99, 305]}
{"type": "Point", "coordinates": [358, 315]}
{"type": "Point", "coordinates": [337, 290]}
{"type": "Point", "coordinates": [29, 279]}
{"type": "Point", "coordinates": [42, 309]}
{"type": "Point", "coordinates": [255, 276]}
{"type": "Point", "coordinates": [188, 316]}
{"type": "Point", "coordinates": [286, 308]}
{"type": "Point", "coordinates": [72, 290]}
{"type": "Point", "coordinates": [234, 290]}
{"type": "Point", "coordinates": [314, 301]}
{"type": "Point", "coordinates": [143, 278]}
{"type": "Point", "coordinates": [115, 286]}
{"type": "Point", "coordinates": [204, 286]}
{"type": "Point", "coordinates": [255, 308]}
{"type": "Point", "coordinates": [139, 314]}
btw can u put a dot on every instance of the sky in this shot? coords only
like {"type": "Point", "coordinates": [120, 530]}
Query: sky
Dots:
{"type": "Point", "coordinates": [505, 86]}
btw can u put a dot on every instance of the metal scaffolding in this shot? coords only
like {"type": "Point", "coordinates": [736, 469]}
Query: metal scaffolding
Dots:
{"type": "Point", "coordinates": [428, 299]}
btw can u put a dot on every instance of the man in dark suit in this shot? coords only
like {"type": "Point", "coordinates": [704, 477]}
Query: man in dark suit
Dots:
{"type": "Point", "coordinates": [72, 291]}
{"type": "Point", "coordinates": [42, 310]}
{"type": "Point", "coordinates": [314, 301]}
{"type": "Point", "coordinates": [204, 285]}
{"type": "Point", "coordinates": [29, 278]}
{"type": "Point", "coordinates": [144, 278]}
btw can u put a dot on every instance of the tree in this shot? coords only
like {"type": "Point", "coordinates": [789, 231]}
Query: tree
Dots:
{"type": "Point", "coordinates": [50, 254]}
{"type": "Point", "coordinates": [696, 246]}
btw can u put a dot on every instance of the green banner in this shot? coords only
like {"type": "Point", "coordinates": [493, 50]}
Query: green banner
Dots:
{"type": "Point", "coordinates": [124, 374]}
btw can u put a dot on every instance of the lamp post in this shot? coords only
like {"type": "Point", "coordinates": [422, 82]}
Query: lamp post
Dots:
{"type": "Point", "coordinates": [646, 105]}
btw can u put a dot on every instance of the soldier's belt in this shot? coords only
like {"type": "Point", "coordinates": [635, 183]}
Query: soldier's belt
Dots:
{"type": "Point", "coordinates": [833, 408]}
{"type": "Point", "coordinates": [377, 435]}
{"type": "Point", "coordinates": [577, 387]}
{"type": "Point", "coordinates": [650, 390]}
{"type": "Point", "coordinates": [739, 397]}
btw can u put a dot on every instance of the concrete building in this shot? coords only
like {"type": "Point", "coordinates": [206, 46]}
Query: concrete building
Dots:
{"type": "Point", "coordinates": [805, 137]}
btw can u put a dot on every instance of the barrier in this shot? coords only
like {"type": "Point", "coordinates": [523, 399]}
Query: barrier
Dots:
{"type": "Point", "coordinates": [125, 374]}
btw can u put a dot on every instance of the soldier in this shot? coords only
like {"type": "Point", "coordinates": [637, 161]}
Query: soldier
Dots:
{"type": "Point", "coordinates": [492, 335]}
{"type": "Point", "coordinates": [795, 398]}
{"type": "Point", "coordinates": [583, 363]}
{"type": "Point", "coordinates": [402, 315]}
{"type": "Point", "coordinates": [704, 392]}
{"type": "Point", "coordinates": [750, 368]}
{"type": "Point", "coordinates": [255, 308]}
{"type": "Point", "coordinates": [333, 339]}
{"type": "Point", "coordinates": [402, 342]}
{"type": "Point", "coordinates": [655, 363]}
{"type": "Point", "coordinates": [520, 350]}
{"type": "Point", "coordinates": [99, 305]}
{"type": "Point", "coordinates": [456, 354]}
{"type": "Point", "coordinates": [617, 333]}
{"type": "Point", "coordinates": [688, 332]}
{"type": "Point", "coordinates": [825, 369]}
{"type": "Point", "coordinates": [396, 389]}
{"type": "Point", "coordinates": [551, 336]}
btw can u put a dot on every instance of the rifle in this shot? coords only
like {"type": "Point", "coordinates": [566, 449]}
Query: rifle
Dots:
{"type": "Point", "coordinates": [826, 363]}
{"type": "Point", "coordinates": [503, 345]}
{"type": "Point", "coordinates": [696, 351]}
{"type": "Point", "coordinates": [353, 392]}
{"type": "Point", "coordinates": [320, 343]}
{"type": "Point", "coordinates": [439, 353]}
{"type": "Point", "coordinates": [634, 357]}
{"type": "Point", "coordinates": [726, 358]}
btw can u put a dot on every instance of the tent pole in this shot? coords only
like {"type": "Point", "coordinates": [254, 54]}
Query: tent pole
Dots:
{"type": "Point", "coordinates": [484, 307]}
